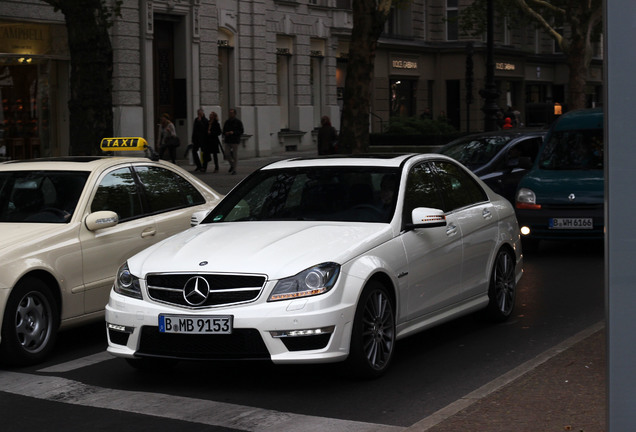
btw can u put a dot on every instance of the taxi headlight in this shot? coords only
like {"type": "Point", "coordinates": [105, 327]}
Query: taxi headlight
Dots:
{"type": "Point", "coordinates": [313, 281]}
{"type": "Point", "coordinates": [126, 283]}
{"type": "Point", "coordinates": [526, 196]}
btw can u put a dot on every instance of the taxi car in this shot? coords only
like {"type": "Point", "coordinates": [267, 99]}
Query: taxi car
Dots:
{"type": "Point", "coordinates": [563, 196]}
{"type": "Point", "coordinates": [314, 260]}
{"type": "Point", "coordinates": [67, 224]}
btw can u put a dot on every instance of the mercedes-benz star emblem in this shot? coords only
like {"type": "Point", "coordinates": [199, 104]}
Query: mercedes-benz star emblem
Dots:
{"type": "Point", "coordinates": [196, 291]}
{"type": "Point", "coordinates": [571, 197]}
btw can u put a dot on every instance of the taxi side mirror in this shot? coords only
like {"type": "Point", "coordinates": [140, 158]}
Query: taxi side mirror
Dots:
{"type": "Point", "coordinates": [100, 220]}
{"type": "Point", "coordinates": [425, 217]}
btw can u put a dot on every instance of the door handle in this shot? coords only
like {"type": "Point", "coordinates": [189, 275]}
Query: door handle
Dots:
{"type": "Point", "coordinates": [451, 230]}
{"type": "Point", "coordinates": [486, 214]}
{"type": "Point", "coordinates": [148, 232]}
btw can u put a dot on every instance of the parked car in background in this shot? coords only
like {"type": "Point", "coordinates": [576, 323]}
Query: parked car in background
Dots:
{"type": "Point", "coordinates": [66, 225]}
{"type": "Point", "coordinates": [562, 197]}
{"type": "Point", "coordinates": [315, 260]}
{"type": "Point", "coordinates": [499, 158]}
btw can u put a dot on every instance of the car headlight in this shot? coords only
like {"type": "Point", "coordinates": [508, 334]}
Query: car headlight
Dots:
{"type": "Point", "coordinates": [126, 283]}
{"type": "Point", "coordinates": [313, 281]}
{"type": "Point", "coordinates": [526, 199]}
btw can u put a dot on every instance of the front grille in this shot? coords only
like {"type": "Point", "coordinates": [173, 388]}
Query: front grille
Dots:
{"type": "Point", "coordinates": [117, 337]}
{"type": "Point", "coordinates": [242, 344]}
{"type": "Point", "coordinates": [224, 289]}
{"type": "Point", "coordinates": [304, 343]}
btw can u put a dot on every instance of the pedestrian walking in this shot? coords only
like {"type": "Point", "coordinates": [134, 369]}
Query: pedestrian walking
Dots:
{"type": "Point", "coordinates": [168, 139]}
{"type": "Point", "coordinates": [199, 139]}
{"type": "Point", "coordinates": [213, 143]}
{"type": "Point", "coordinates": [232, 131]}
{"type": "Point", "coordinates": [327, 137]}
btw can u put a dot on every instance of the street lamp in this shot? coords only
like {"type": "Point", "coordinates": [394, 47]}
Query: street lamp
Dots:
{"type": "Point", "coordinates": [490, 93]}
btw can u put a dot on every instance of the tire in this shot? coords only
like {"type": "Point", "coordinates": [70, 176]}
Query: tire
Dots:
{"type": "Point", "coordinates": [30, 323]}
{"type": "Point", "coordinates": [502, 291]}
{"type": "Point", "coordinates": [373, 333]}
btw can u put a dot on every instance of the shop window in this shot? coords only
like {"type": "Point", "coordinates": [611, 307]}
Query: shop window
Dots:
{"type": "Point", "coordinates": [403, 94]}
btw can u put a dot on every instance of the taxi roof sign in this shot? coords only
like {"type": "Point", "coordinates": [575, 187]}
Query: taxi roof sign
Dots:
{"type": "Point", "coordinates": [123, 144]}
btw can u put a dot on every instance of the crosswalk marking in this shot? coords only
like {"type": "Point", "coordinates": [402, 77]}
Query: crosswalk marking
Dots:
{"type": "Point", "coordinates": [176, 407]}
{"type": "Point", "coordinates": [79, 363]}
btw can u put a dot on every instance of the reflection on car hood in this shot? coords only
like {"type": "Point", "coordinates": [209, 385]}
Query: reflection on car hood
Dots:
{"type": "Point", "coordinates": [277, 249]}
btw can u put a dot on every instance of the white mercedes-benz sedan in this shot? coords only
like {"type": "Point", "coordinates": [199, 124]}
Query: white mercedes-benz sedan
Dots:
{"type": "Point", "coordinates": [313, 260]}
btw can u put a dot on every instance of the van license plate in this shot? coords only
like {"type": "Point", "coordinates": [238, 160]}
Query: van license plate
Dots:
{"type": "Point", "coordinates": [571, 223]}
{"type": "Point", "coordinates": [218, 324]}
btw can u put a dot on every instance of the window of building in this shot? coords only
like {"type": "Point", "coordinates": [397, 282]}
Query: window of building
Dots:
{"type": "Point", "coordinates": [452, 26]}
{"type": "Point", "coordinates": [316, 78]}
{"type": "Point", "coordinates": [400, 22]}
{"type": "Point", "coordinates": [284, 80]}
{"type": "Point", "coordinates": [403, 97]}
{"type": "Point", "coordinates": [226, 76]}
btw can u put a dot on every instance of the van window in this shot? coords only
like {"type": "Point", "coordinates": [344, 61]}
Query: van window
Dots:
{"type": "Point", "coordinates": [580, 149]}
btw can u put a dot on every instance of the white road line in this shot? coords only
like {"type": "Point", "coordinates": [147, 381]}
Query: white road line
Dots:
{"type": "Point", "coordinates": [79, 363]}
{"type": "Point", "coordinates": [494, 385]}
{"type": "Point", "coordinates": [176, 407]}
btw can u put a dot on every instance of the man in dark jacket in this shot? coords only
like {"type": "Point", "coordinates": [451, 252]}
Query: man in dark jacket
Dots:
{"type": "Point", "coordinates": [199, 138]}
{"type": "Point", "coordinates": [232, 131]}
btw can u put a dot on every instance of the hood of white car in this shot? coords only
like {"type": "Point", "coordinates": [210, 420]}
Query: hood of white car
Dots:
{"type": "Point", "coordinates": [276, 249]}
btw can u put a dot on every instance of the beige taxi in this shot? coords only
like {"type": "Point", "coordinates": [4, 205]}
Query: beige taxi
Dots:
{"type": "Point", "coordinates": [67, 224]}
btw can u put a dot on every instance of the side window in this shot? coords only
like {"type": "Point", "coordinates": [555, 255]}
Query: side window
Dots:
{"type": "Point", "coordinates": [421, 191]}
{"type": "Point", "coordinates": [118, 192]}
{"type": "Point", "coordinates": [458, 188]}
{"type": "Point", "coordinates": [166, 190]}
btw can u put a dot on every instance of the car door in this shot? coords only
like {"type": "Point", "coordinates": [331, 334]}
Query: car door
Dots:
{"type": "Point", "coordinates": [434, 254]}
{"type": "Point", "coordinates": [104, 250]}
{"type": "Point", "coordinates": [467, 201]}
{"type": "Point", "coordinates": [169, 197]}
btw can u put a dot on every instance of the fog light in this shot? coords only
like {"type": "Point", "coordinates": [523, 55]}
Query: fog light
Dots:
{"type": "Point", "coordinates": [525, 230]}
{"type": "Point", "coordinates": [119, 328]}
{"type": "Point", "coordinates": [305, 332]}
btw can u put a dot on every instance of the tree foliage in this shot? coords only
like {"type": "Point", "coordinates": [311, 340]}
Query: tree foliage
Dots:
{"type": "Point", "coordinates": [573, 24]}
{"type": "Point", "coordinates": [90, 104]}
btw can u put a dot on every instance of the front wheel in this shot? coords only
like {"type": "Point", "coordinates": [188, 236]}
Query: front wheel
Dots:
{"type": "Point", "coordinates": [30, 323]}
{"type": "Point", "coordinates": [373, 333]}
{"type": "Point", "coordinates": [503, 287]}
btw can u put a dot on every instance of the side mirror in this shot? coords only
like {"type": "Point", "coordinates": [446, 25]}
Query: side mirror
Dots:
{"type": "Point", "coordinates": [424, 217]}
{"type": "Point", "coordinates": [100, 220]}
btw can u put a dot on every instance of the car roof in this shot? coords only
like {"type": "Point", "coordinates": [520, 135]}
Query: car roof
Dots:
{"type": "Point", "coordinates": [509, 132]}
{"type": "Point", "coordinates": [387, 160]}
{"type": "Point", "coordinates": [70, 163]}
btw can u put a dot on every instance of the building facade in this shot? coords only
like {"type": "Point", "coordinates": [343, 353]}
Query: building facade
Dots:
{"type": "Point", "coordinates": [280, 63]}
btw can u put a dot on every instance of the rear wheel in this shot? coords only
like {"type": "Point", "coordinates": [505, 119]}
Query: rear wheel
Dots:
{"type": "Point", "coordinates": [503, 287]}
{"type": "Point", "coordinates": [373, 334]}
{"type": "Point", "coordinates": [30, 323]}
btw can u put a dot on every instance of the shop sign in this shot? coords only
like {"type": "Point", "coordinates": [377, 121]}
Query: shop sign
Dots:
{"type": "Point", "coordinates": [503, 66]}
{"type": "Point", "coordinates": [404, 64]}
{"type": "Point", "coordinates": [23, 38]}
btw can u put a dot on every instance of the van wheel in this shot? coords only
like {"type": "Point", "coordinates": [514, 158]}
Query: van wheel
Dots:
{"type": "Point", "coordinates": [30, 323]}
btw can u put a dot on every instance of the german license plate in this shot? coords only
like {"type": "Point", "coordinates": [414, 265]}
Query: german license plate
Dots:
{"type": "Point", "coordinates": [218, 324]}
{"type": "Point", "coordinates": [571, 223]}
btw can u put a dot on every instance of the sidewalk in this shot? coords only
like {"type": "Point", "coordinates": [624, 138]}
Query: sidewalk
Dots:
{"type": "Point", "coordinates": [563, 389]}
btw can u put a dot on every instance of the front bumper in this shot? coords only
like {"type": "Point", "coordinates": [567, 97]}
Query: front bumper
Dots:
{"type": "Point", "coordinates": [538, 221]}
{"type": "Point", "coordinates": [261, 330]}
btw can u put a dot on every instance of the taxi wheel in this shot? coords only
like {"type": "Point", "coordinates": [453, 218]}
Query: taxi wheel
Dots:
{"type": "Point", "coordinates": [503, 287]}
{"type": "Point", "coordinates": [30, 323]}
{"type": "Point", "coordinates": [373, 334]}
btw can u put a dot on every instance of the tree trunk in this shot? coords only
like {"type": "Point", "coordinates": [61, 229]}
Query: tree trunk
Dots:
{"type": "Point", "coordinates": [90, 104]}
{"type": "Point", "coordinates": [368, 22]}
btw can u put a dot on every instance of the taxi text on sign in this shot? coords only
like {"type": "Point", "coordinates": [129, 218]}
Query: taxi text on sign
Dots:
{"type": "Point", "coordinates": [120, 144]}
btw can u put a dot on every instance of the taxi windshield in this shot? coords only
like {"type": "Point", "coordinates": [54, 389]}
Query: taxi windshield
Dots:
{"type": "Point", "coordinates": [344, 194]}
{"type": "Point", "coordinates": [40, 196]}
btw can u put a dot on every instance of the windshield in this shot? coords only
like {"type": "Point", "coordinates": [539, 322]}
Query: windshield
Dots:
{"type": "Point", "coordinates": [351, 194]}
{"type": "Point", "coordinates": [573, 150]}
{"type": "Point", "coordinates": [40, 196]}
{"type": "Point", "coordinates": [476, 151]}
